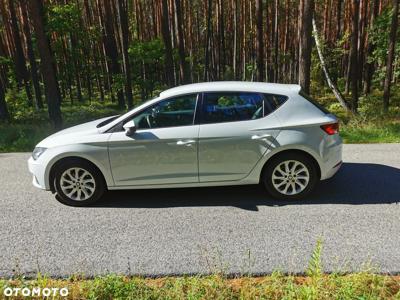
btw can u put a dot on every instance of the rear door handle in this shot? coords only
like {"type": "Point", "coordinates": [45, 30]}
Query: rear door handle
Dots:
{"type": "Point", "coordinates": [185, 142]}
{"type": "Point", "coordinates": [261, 137]}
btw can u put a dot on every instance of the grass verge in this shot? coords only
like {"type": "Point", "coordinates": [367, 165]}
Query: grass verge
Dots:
{"type": "Point", "coordinates": [276, 286]}
{"type": "Point", "coordinates": [378, 132]}
{"type": "Point", "coordinates": [315, 285]}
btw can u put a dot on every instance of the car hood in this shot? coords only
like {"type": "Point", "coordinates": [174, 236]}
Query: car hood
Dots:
{"type": "Point", "coordinates": [75, 134]}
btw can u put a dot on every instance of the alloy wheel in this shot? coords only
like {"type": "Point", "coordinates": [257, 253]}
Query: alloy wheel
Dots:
{"type": "Point", "coordinates": [77, 184]}
{"type": "Point", "coordinates": [290, 177]}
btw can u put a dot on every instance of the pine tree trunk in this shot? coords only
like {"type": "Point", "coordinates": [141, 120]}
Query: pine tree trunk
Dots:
{"type": "Point", "coordinates": [369, 67]}
{"type": "Point", "coordinates": [276, 46]}
{"type": "Point", "coordinates": [260, 41]}
{"type": "Point", "coordinates": [31, 55]}
{"type": "Point", "coordinates": [222, 59]}
{"type": "Point", "coordinates": [235, 40]}
{"type": "Point", "coordinates": [169, 63]}
{"type": "Point", "coordinates": [208, 39]}
{"type": "Point", "coordinates": [354, 67]}
{"type": "Point", "coordinates": [183, 66]}
{"type": "Point", "coordinates": [339, 18]}
{"type": "Point", "coordinates": [76, 68]}
{"type": "Point", "coordinates": [124, 33]}
{"type": "Point", "coordinates": [53, 96]}
{"type": "Point", "coordinates": [305, 45]}
{"type": "Point", "coordinates": [391, 54]}
{"type": "Point", "coordinates": [20, 65]}
{"type": "Point", "coordinates": [4, 115]}
{"type": "Point", "coordinates": [111, 50]}
{"type": "Point", "coordinates": [362, 23]}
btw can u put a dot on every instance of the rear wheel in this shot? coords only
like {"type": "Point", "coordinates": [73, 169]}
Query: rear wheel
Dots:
{"type": "Point", "coordinates": [78, 183]}
{"type": "Point", "coordinates": [290, 176]}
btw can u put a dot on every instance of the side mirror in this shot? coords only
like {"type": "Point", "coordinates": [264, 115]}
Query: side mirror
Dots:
{"type": "Point", "coordinates": [130, 128]}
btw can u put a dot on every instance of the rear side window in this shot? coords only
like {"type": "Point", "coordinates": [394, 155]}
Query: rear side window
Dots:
{"type": "Point", "coordinates": [315, 103]}
{"type": "Point", "coordinates": [272, 102]}
{"type": "Point", "coordinates": [230, 107]}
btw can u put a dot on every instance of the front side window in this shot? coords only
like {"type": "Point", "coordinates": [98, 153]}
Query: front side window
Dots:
{"type": "Point", "coordinates": [230, 107]}
{"type": "Point", "coordinates": [178, 111]}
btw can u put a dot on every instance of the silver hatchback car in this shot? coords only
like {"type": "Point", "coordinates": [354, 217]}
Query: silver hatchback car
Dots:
{"type": "Point", "coordinates": [205, 134]}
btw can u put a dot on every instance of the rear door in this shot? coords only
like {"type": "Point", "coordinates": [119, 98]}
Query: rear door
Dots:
{"type": "Point", "coordinates": [234, 134]}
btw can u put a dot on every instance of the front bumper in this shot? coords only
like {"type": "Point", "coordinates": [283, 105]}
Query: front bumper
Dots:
{"type": "Point", "coordinates": [38, 172]}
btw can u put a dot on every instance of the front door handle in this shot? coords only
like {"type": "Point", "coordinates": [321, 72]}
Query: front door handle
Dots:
{"type": "Point", "coordinates": [261, 137]}
{"type": "Point", "coordinates": [185, 142]}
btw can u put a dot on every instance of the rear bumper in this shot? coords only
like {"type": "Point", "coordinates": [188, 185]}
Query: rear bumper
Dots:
{"type": "Point", "coordinates": [332, 157]}
{"type": "Point", "coordinates": [333, 170]}
{"type": "Point", "coordinates": [38, 172]}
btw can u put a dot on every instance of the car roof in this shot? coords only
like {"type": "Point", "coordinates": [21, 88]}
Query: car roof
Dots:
{"type": "Point", "coordinates": [231, 86]}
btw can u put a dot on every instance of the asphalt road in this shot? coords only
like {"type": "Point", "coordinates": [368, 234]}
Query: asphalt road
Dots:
{"type": "Point", "coordinates": [232, 229]}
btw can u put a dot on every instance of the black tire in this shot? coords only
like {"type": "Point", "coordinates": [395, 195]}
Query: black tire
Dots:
{"type": "Point", "coordinates": [267, 181]}
{"type": "Point", "coordinates": [99, 183]}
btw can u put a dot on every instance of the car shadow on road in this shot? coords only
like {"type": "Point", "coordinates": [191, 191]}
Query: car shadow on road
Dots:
{"type": "Point", "coordinates": [355, 183]}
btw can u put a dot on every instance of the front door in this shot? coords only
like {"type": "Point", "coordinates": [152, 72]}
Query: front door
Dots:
{"type": "Point", "coordinates": [163, 149]}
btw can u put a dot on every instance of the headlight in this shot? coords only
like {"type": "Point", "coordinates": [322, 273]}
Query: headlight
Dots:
{"type": "Point", "coordinates": [37, 152]}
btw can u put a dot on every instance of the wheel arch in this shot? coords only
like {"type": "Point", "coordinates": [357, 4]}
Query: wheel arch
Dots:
{"type": "Point", "coordinates": [285, 151]}
{"type": "Point", "coordinates": [64, 159]}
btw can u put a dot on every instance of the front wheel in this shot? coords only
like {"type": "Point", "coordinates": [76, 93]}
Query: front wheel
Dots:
{"type": "Point", "coordinates": [290, 176]}
{"type": "Point", "coordinates": [78, 183]}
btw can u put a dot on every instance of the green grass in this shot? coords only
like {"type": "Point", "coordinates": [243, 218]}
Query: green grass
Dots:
{"type": "Point", "coordinates": [385, 132]}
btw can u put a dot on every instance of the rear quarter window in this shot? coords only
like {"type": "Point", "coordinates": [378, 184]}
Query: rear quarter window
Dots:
{"type": "Point", "coordinates": [273, 102]}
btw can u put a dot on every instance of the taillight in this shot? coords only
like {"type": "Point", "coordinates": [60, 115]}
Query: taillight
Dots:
{"type": "Point", "coordinates": [331, 129]}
